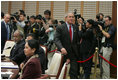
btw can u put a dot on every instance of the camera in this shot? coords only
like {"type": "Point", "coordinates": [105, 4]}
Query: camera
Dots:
{"type": "Point", "coordinates": [96, 23]}
{"type": "Point", "coordinates": [15, 15]}
{"type": "Point", "coordinates": [77, 16]}
{"type": "Point", "coordinates": [27, 21]}
{"type": "Point", "coordinates": [97, 29]}
{"type": "Point", "coordinates": [83, 27]}
{"type": "Point", "coordinates": [51, 26]}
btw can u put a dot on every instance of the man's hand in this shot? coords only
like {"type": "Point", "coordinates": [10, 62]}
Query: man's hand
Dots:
{"type": "Point", "coordinates": [67, 61]}
{"type": "Point", "coordinates": [80, 27]}
{"type": "Point", "coordinates": [63, 51]}
{"type": "Point", "coordinates": [106, 34]}
{"type": "Point", "coordinates": [42, 21]}
{"type": "Point", "coordinates": [21, 65]}
{"type": "Point", "coordinates": [48, 30]}
{"type": "Point", "coordinates": [100, 27]}
{"type": "Point", "coordinates": [14, 19]}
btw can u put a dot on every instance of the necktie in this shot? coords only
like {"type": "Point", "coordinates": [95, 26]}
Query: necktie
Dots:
{"type": "Point", "coordinates": [70, 33]}
{"type": "Point", "coordinates": [80, 40]}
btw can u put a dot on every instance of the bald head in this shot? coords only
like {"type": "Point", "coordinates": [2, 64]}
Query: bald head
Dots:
{"type": "Point", "coordinates": [7, 18]}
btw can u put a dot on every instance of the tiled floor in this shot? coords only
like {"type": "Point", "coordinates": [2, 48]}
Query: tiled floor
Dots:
{"type": "Point", "coordinates": [92, 74]}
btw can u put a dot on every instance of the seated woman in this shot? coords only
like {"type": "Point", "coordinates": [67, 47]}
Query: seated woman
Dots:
{"type": "Point", "coordinates": [41, 53]}
{"type": "Point", "coordinates": [31, 68]}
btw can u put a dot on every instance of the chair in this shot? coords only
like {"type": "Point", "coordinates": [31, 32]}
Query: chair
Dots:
{"type": "Point", "coordinates": [7, 48]}
{"type": "Point", "coordinates": [62, 75]}
{"type": "Point", "coordinates": [65, 71]}
{"type": "Point", "coordinates": [45, 49]}
{"type": "Point", "coordinates": [55, 67]}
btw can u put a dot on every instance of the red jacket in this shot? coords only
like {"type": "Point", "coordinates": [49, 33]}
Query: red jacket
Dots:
{"type": "Point", "coordinates": [32, 70]}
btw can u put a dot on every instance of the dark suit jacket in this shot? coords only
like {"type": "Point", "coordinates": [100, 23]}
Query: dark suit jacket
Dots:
{"type": "Point", "coordinates": [4, 34]}
{"type": "Point", "coordinates": [17, 52]}
{"type": "Point", "coordinates": [32, 70]}
{"type": "Point", "coordinates": [62, 40]}
{"type": "Point", "coordinates": [42, 60]}
{"type": "Point", "coordinates": [87, 44]}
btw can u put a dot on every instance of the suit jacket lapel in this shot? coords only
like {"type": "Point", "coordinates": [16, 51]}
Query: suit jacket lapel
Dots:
{"type": "Point", "coordinates": [68, 34]}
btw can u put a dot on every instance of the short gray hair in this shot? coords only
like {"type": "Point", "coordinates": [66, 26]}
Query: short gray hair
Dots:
{"type": "Point", "coordinates": [20, 33]}
{"type": "Point", "coordinates": [68, 13]}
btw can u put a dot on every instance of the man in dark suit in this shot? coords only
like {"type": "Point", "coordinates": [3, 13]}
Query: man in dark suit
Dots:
{"type": "Point", "coordinates": [17, 52]}
{"type": "Point", "coordinates": [66, 40]}
{"type": "Point", "coordinates": [5, 30]}
{"type": "Point", "coordinates": [86, 46]}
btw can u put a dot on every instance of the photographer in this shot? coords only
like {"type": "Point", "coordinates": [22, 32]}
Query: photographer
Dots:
{"type": "Point", "coordinates": [47, 14]}
{"type": "Point", "coordinates": [34, 27]}
{"type": "Point", "coordinates": [39, 20]}
{"type": "Point", "coordinates": [50, 44]}
{"type": "Point", "coordinates": [27, 25]}
{"type": "Point", "coordinates": [43, 37]}
{"type": "Point", "coordinates": [86, 46]}
{"type": "Point", "coordinates": [21, 12]}
{"type": "Point", "coordinates": [99, 17]}
{"type": "Point", "coordinates": [21, 23]}
{"type": "Point", "coordinates": [107, 45]}
{"type": "Point", "coordinates": [51, 30]}
{"type": "Point", "coordinates": [81, 23]}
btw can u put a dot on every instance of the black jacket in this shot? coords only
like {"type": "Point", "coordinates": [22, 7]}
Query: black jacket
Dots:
{"type": "Point", "coordinates": [62, 40]}
{"type": "Point", "coordinates": [4, 34]}
{"type": "Point", "coordinates": [87, 44]}
{"type": "Point", "coordinates": [17, 52]}
{"type": "Point", "coordinates": [42, 59]}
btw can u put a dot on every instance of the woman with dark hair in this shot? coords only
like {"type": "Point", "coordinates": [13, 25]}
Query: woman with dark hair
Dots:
{"type": "Point", "coordinates": [31, 68]}
{"type": "Point", "coordinates": [41, 53]}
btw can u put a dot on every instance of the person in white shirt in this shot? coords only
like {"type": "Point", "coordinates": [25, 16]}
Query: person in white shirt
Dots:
{"type": "Point", "coordinates": [21, 23]}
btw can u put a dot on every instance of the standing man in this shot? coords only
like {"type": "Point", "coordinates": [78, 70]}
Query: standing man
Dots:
{"type": "Point", "coordinates": [66, 40]}
{"type": "Point", "coordinates": [107, 45]}
{"type": "Point", "coordinates": [5, 30]}
{"type": "Point", "coordinates": [21, 23]}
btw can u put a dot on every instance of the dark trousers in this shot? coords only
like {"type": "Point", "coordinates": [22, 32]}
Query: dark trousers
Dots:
{"type": "Point", "coordinates": [73, 72]}
{"type": "Point", "coordinates": [87, 66]}
{"type": "Point", "coordinates": [73, 69]}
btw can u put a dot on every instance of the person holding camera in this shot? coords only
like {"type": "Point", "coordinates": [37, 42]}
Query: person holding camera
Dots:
{"type": "Point", "coordinates": [34, 27]}
{"type": "Point", "coordinates": [50, 43]}
{"type": "Point", "coordinates": [21, 23]}
{"type": "Point", "coordinates": [107, 45]}
{"type": "Point", "coordinates": [86, 49]}
{"type": "Point", "coordinates": [47, 14]}
{"type": "Point", "coordinates": [39, 20]}
{"type": "Point", "coordinates": [99, 17]}
{"type": "Point", "coordinates": [81, 23]}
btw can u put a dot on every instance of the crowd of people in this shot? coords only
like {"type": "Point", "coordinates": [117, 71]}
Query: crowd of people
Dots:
{"type": "Point", "coordinates": [75, 38]}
